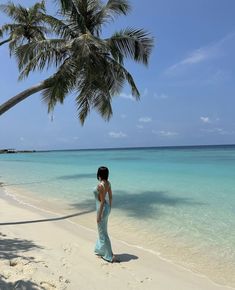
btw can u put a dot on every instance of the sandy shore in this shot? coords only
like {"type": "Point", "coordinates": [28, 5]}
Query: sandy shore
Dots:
{"type": "Point", "coordinates": [40, 250]}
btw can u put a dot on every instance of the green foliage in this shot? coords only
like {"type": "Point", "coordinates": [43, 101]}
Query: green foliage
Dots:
{"type": "Point", "coordinates": [28, 24]}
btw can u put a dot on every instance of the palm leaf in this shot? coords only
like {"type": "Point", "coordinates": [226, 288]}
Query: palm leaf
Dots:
{"type": "Point", "coordinates": [60, 84]}
{"type": "Point", "coordinates": [132, 43]}
{"type": "Point", "coordinates": [40, 54]}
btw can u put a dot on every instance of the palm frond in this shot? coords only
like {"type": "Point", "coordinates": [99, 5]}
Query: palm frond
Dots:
{"type": "Point", "coordinates": [121, 75]}
{"type": "Point", "coordinates": [59, 27]}
{"type": "Point", "coordinates": [66, 5]}
{"type": "Point", "coordinates": [91, 97]}
{"type": "Point", "coordinates": [109, 12]}
{"type": "Point", "coordinates": [60, 84]}
{"type": "Point", "coordinates": [39, 55]}
{"type": "Point", "coordinates": [102, 104]}
{"type": "Point", "coordinates": [39, 6]}
{"type": "Point", "coordinates": [9, 9]}
{"type": "Point", "coordinates": [83, 104]}
{"type": "Point", "coordinates": [132, 43]}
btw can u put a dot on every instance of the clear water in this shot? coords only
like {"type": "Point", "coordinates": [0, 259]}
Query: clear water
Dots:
{"type": "Point", "coordinates": [179, 202]}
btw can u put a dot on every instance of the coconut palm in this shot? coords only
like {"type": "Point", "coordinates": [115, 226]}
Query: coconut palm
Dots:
{"type": "Point", "coordinates": [90, 66]}
{"type": "Point", "coordinates": [28, 24]}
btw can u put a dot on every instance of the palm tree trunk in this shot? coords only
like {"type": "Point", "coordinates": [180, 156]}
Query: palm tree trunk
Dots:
{"type": "Point", "coordinates": [5, 41]}
{"type": "Point", "coordinates": [21, 96]}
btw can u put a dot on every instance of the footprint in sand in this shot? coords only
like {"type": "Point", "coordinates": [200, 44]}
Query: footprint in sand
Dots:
{"type": "Point", "coordinates": [62, 279]}
{"type": "Point", "coordinates": [65, 263]}
{"type": "Point", "coordinates": [136, 282]}
{"type": "Point", "coordinates": [67, 248]}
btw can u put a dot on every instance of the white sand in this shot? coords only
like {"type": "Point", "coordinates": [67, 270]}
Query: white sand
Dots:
{"type": "Point", "coordinates": [59, 255]}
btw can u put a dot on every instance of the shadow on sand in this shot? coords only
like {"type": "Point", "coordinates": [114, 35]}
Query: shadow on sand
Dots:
{"type": "Point", "coordinates": [18, 285]}
{"type": "Point", "coordinates": [141, 205]}
{"type": "Point", "coordinates": [126, 257]}
{"type": "Point", "coordinates": [45, 220]}
{"type": "Point", "coordinates": [14, 248]}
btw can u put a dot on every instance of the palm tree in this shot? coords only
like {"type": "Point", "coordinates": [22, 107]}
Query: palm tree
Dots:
{"type": "Point", "coordinates": [28, 24]}
{"type": "Point", "coordinates": [86, 63]}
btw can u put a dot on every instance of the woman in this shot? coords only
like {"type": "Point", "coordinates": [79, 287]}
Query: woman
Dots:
{"type": "Point", "coordinates": [103, 246]}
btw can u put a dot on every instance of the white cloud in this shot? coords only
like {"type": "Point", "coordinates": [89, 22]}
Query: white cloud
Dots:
{"type": "Point", "coordinates": [201, 54]}
{"type": "Point", "coordinates": [117, 135]}
{"type": "Point", "coordinates": [219, 131]}
{"type": "Point", "coordinates": [195, 57]}
{"type": "Point", "coordinates": [140, 126]}
{"type": "Point", "coordinates": [22, 139]}
{"type": "Point", "coordinates": [165, 133]}
{"type": "Point", "coordinates": [205, 120]}
{"type": "Point", "coordinates": [130, 97]}
{"type": "Point", "coordinates": [123, 116]}
{"type": "Point", "coordinates": [145, 119]}
{"type": "Point", "coordinates": [127, 96]}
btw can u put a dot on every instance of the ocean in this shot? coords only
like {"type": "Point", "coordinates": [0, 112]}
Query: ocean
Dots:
{"type": "Point", "coordinates": [176, 202]}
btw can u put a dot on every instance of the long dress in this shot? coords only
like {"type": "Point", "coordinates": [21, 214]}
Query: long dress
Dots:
{"type": "Point", "coordinates": [103, 246]}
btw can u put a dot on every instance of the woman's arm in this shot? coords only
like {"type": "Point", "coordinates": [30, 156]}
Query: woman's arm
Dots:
{"type": "Point", "coordinates": [110, 195]}
{"type": "Point", "coordinates": [102, 201]}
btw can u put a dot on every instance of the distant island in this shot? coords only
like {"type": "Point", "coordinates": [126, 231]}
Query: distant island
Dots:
{"type": "Point", "coordinates": [6, 151]}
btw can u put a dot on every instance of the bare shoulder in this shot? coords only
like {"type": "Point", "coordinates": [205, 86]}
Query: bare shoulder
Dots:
{"type": "Point", "coordinates": [100, 187]}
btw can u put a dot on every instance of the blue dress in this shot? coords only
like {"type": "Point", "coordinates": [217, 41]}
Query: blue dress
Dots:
{"type": "Point", "coordinates": [103, 246]}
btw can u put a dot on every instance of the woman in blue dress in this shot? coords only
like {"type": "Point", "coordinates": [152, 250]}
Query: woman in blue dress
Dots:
{"type": "Point", "coordinates": [103, 246]}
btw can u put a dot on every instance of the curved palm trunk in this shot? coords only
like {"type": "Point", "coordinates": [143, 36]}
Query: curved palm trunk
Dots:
{"type": "Point", "coordinates": [5, 41]}
{"type": "Point", "coordinates": [21, 96]}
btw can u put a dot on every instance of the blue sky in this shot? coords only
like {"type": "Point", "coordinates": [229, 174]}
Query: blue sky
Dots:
{"type": "Point", "coordinates": [188, 90]}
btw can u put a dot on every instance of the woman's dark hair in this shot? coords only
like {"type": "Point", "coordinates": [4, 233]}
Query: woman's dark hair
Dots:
{"type": "Point", "coordinates": [103, 173]}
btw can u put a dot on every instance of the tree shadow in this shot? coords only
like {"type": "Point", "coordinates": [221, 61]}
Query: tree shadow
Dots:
{"type": "Point", "coordinates": [14, 248]}
{"type": "Point", "coordinates": [2, 184]}
{"type": "Point", "coordinates": [18, 285]}
{"type": "Point", "coordinates": [141, 205]}
{"type": "Point", "coordinates": [77, 176]}
{"type": "Point", "coordinates": [62, 177]}
{"type": "Point", "coordinates": [46, 219]}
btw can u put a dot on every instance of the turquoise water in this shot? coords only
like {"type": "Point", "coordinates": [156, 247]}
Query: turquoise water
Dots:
{"type": "Point", "coordinates": [179, 202]}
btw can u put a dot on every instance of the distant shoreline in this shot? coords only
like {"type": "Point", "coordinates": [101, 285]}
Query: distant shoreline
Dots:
{"type": "Point", "coordinates": [13, 151]}
{"type": "Point", "coordinates": [142, 148]}
{"type": "Point", "coordinates": [179, 147]}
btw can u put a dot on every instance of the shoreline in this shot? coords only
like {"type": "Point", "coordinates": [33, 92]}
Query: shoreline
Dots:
{"type": "Point", "coordinates": [199, 146]}
{"type": "Point", "coordinates": [166, 248]}
{"type": "Point", "coordinates": [182, 276]}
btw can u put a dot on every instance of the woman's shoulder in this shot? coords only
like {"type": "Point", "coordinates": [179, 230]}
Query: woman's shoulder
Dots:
{"type": "Point", "coordinates": [103, 185]}
{"type": "Point", "coordinates": [100, 185]}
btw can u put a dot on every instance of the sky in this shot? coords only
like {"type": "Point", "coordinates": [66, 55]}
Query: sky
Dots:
{"type": "Point", "coordinates": [187, 90]}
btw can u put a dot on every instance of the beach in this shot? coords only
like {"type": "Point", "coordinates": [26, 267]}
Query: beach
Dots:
{"type": "Point", "coordinates": [52, 252]}
{"type": "Point", "coordinates": [162, 225]}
